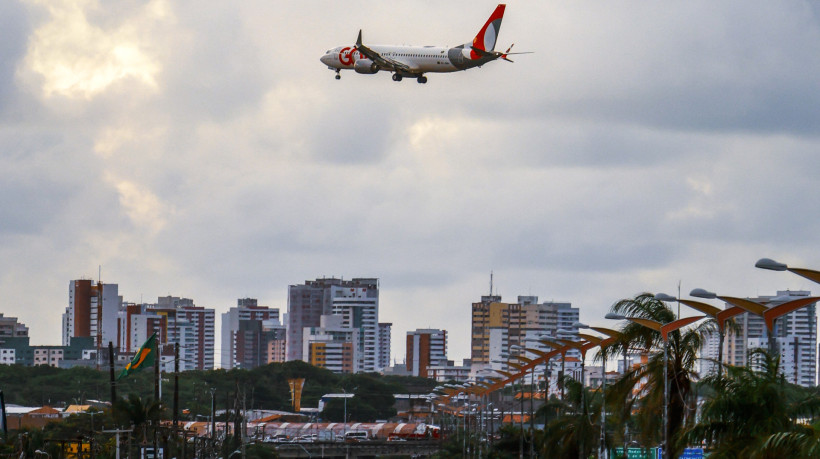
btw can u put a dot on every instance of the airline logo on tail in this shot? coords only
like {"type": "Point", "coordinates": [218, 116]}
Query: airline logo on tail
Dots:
{"type": "Point", "coordinates": [408, 61]}
{"type": "Point", "coordinates": [487, 36]}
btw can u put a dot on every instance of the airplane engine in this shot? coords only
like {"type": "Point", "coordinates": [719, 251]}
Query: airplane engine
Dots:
{"type": "Point", "coordinates": [365, 66]}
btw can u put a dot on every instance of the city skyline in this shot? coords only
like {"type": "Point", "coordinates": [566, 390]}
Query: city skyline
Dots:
{"type": "Point", "coordinates": [536, 321]}
{"type": "Point", "coordinates": [204, 152]}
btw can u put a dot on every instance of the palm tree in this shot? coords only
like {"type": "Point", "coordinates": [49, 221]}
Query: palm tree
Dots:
{"type": "Point", "coordinates": [645, 382]}
{"type": "Point", "coordinates": [134, 411]}
{"type": "Point", "coordinates": [575, 431]}
{"type": "Point", "coordinates": [753, 414]}
{"type": "Point", "coordinates": [803, 442]}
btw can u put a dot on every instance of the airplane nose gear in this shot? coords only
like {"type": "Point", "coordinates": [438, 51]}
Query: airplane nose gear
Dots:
{"type": "Point", "coordinates": [338, 76]}
{"type": "Point", "coordinates": [422, 79]}
{"type": "Point", "coordinates": [396, 77]}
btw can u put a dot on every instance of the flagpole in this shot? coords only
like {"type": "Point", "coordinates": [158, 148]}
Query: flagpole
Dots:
{"type": "Point", "coordinates": [111, 373]}
{"type": "Point", "coordinates": [176, 385]}
{"type": "Point", "coordinates": [156, 369]}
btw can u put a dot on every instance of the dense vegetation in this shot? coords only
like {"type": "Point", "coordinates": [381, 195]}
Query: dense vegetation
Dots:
{"type": "Point", "coordinates": [264, 387]}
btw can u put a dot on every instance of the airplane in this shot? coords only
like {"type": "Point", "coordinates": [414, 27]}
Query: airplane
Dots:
{"type": "Point", "coordinates": [415, 61]}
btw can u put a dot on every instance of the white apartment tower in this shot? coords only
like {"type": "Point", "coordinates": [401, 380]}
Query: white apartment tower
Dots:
{"type": "Point", "coordinates": [359, 308]}
{"type": "Point", "coordinates": [308, 302]}
{"type": "Point", "coordinates": [425, 348]}
{"type": "Point", "coordinates": [93, 309]}
{"type": "Point", "coordinates": [795, 335]}
{"type": "Point", "coordinates": [385, 330]}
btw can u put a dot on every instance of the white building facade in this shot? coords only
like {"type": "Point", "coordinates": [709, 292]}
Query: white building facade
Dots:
{"type": "Point", "coordinates": [795, 336]}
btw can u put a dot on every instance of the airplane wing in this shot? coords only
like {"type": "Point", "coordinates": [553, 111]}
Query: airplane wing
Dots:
{"type": "Point", "coordinates": [383, 62]}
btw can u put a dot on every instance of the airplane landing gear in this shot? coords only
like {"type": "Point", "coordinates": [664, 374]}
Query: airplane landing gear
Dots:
{"type": "Point", "coordinates": [338, 76]}
{"type": "Point", "coordinates": [422, 79]}
{"type": "Point", "coordinates": [396, 77]}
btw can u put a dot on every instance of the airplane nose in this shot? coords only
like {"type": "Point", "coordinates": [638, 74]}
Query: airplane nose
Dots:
{"type": "Point", "coordinates": [325, 59]}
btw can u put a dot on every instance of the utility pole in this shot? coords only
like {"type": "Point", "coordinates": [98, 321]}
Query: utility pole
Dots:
{"type": "Point", "coordinates": [111, 373]}
{"type": "Point", "coordinates": [176, 385]}
{"type": "Point", "coordinates": [117, 432]}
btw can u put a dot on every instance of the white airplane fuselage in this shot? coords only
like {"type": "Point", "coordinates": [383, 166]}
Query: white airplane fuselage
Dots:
{"type": "Point", "coordinates": [415, 61]}
{"type": "Point", "coordinates": [422, 59]}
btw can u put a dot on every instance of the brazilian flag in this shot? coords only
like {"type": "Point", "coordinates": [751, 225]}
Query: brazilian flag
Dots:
{"type": "Point", "coordinates": [144, 358]}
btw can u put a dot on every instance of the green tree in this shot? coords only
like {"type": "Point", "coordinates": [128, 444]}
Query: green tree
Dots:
{"type": "Point", "coordinates": [803, 441]}
{"type": "Point", "coordinates": [136, 412]}
{"type": "Point", "coordinates": [682, 355]}
{"type": "Point", "coordinates": [754, 413]}
{"type": "Point", "coordinates": [575, 430]}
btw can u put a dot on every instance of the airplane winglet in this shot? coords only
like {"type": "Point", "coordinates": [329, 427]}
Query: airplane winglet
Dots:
{"type": "Point", "coordinates": [359, 40]}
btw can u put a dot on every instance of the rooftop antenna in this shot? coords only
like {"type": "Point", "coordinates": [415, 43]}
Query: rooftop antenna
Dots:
{"type": "Point", "coordinates": [491, 283]}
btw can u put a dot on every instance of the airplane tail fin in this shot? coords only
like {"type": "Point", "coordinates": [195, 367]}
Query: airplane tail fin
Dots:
{"type": "Point", "coordinates": [487, 36]}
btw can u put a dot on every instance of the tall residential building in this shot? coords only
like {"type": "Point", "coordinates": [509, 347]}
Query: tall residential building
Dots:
{"type": "Point", "coordinates": [426, 348]}
{"type": "Point", "coordinates": [192, 327]}
{"type": "Point", "coordinates": [309, 301]}
{"type": "Point", "coordinates": [359, 307]}
{"type": "Point", "coordinates": [195, 334]}
{"type": "Point", "coordinates": [332, 345]}
{"type": "Point", "coordinates": [275, 337]}
{"type": "Point", "coordinates": [385, 331]}
{"type": "Point", "coordinates": [93, 309]}
{"type": "Point", "coordinates": [243, 343]}
{"type": "Point", "coordinates": [498, 326]}
{"type": "Point", "coordinates": [795, 335]}
{"type": "Point", "coordinates": [174, 320]}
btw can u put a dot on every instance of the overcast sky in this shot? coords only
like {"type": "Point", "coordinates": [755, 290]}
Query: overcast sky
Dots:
{"type": "Point", "coordinates": [200, 149]}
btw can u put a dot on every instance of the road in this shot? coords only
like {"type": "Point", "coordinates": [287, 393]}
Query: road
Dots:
{"type": "Point", "coordinates": [420, 448]}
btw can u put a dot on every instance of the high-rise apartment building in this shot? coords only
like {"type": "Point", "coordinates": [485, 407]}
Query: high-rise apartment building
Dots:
{"type": "Point", "coordinates": [425, 348]}
{"type": "Point", "coordinates": [498, 327]}
{"type": "Point", "coordinates": [795, 336]}
{"type": "Point", "coordinates": [174, 320]}
{"type": "Point", "coordinates": [309, 301]}
{"type": "Point", "coordinates": [385, 331]}
{"type": "Point", "coordinates": [93, 309]}
{"type": "Point", "coordinates": [359, 307]}
{"type": "Point", "coordinates": [332, 345]}
{"type": "Point", "coordinates": [244, 340]}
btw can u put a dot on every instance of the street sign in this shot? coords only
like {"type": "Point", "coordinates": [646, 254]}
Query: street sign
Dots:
{"type": "Point", "coordinates": [655, 453]}
{"type": "Point", "coordinates": [692, 453]}
{"type": "Point", "coordinates": [635, 453]}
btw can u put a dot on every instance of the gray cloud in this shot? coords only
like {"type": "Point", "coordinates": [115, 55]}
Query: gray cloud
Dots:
{"type": "Point", "coordinates": [640, 145]}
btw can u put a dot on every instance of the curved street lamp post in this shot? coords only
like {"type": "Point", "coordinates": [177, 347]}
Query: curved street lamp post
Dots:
{"type": "Point", "coordinates": [664, 330]}
{"type": "Point", "coordinates": [769, 314]}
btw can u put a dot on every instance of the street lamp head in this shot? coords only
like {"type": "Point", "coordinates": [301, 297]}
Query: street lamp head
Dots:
{"type": "Point", "coordinates": [703, 293]}
{"type": "Point", "coordinates": [768, 263]}
{"type": "Point", "coordinates": [614, 316]}
{"type": "Point", "coordinates": [580, 325]}
{"type": "Point", "coordinates": [780, 299]}
{"type": "Point", "coordinates": [665, 297]}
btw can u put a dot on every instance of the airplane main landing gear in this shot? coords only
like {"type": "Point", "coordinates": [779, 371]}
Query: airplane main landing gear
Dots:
{"type": "Point", "coordinates": [422, 79]}
{"type": "Point", "coordinates": [396, 77]}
